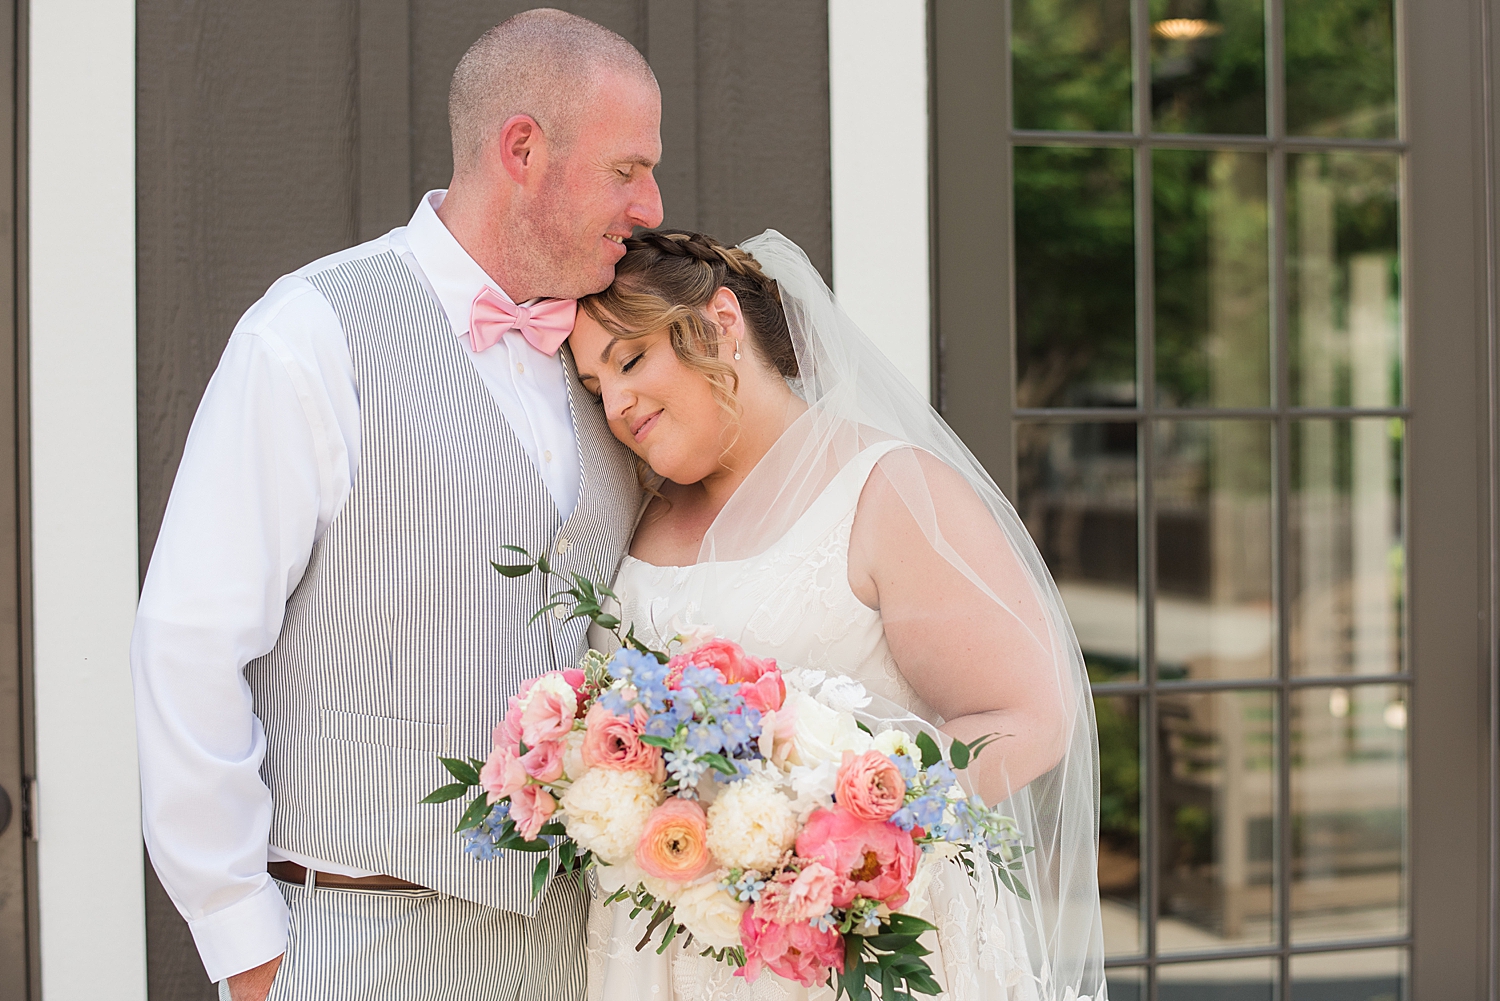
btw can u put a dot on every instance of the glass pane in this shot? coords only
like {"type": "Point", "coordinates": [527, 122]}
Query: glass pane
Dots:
{"type": "Point", "coordinates": [1208, 66]}
{"type": "Point", "coordinates": [1076, 492]}
{"type": "Point", "coordinates": [1348, 812]}
{"type": "Point", "coordinates": [1126, 983]}
{"type": "Point", "coordinates": [1075, 277]}
{"type": "Point", "coordinates": [1346, 558]}
{"type": "Point", "coordinates": [1119, 721]}
{"type": "Point", "coordinates": [1225, 980]}
{"type": "Point", "coordinates": [1213, 320]}
{"type": "Point", "coordinates": [1214, 613]}
{"type": "Point", "coordinates": [1341, 68]}
{"type": "Point", "coordinates": [1370, 975]}
{"type": "Point", "coordinates": [1070, 63]}
{"type": "Point", "coordinates": [1217, 840]}
{"type": "Point", "coordinates": [1344, 278]}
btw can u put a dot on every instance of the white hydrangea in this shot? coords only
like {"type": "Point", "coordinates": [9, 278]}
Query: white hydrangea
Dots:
{"type": "Point", "coordinates": [751, 824]}
{"type": "Point", "coordinates": [573, 766]}
{"type": "Point", "coordinates": [711, 914]}
{"type": "Point", "coordinates": [607, 810]}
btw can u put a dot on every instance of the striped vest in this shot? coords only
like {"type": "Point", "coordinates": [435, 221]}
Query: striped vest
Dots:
{"type": "Point", "coordinates": [401, 643]}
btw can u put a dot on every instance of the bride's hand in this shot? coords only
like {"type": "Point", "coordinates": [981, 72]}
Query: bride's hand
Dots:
{"type": "Point", "coordinates": [980, 654]}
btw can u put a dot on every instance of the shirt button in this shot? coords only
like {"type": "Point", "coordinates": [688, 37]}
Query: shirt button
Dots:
{"type": "Point", "coordinates": [559, 612]}
{"type": "Point", "coordinates": [520, 368]}
{"type": "Point", "coordinates": [563, 545]}
{"type": "Point", "coordinates": [547, 456]}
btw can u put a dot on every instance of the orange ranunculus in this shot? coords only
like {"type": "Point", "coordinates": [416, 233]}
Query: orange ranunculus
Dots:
{"type": "Point", "coordinates": [674, 843]}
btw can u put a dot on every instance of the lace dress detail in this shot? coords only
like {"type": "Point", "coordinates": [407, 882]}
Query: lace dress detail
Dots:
{"type": "Point", "coordinates": [794, 603]}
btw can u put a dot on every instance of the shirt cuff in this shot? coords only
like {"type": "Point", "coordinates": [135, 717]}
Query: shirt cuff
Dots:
{"type": "Point", "coordinates": [243, 935]}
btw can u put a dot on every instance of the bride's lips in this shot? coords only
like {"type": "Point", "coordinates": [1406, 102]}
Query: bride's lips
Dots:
{"type": "Point", "coordinates": [639, 430]}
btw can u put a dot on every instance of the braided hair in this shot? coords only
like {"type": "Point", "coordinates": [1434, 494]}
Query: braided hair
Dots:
{"type": "Point", "coordinates": [667, 279]}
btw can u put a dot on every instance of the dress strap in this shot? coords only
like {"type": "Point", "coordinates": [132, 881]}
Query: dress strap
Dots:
{"type": "Point", "coordinates": [839, 499]}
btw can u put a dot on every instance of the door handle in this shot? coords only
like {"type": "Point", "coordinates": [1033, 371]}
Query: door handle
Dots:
{"type": "Point", "coordinates": [5, 810]}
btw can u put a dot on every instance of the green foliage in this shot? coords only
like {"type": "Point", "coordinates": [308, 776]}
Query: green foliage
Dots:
{"type": "Point", "coordinates": [889, 961]}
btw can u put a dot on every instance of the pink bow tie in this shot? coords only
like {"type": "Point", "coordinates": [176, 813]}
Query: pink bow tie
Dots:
{"type": "Point", "coordinates": [545, 325]}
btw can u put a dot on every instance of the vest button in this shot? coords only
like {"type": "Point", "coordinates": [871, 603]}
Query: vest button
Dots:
{"type": "Point", "coordinates": [559, 612]}
{"type": "Point", "coordinates": [563, 545]}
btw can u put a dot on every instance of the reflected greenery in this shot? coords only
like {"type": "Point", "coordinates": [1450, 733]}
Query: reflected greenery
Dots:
{"type": "Point", "coordinates": [1075, 277]}
{"type": "Point", "coordinates": [1070, 64]}
{"type": "Point", "coordinates": [1341, 68]}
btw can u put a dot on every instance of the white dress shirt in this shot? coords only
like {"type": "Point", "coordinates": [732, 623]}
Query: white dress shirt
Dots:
{"type": "Point", "coordinates": [269, 462]}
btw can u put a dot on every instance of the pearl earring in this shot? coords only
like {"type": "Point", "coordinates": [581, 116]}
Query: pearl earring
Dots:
{"type": "Point", "coordinates": [736, 350]}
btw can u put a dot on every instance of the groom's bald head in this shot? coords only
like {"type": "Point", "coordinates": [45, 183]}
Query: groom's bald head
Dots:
{"type": "Point", "coordinates": [543, 63]}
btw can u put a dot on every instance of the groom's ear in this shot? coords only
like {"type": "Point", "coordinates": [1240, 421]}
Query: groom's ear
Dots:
{"type": "Point", "coordinates": [522, 148]}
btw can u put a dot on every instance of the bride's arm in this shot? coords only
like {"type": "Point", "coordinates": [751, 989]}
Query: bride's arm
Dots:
{"type": "Point", "coordinates": [986, 666]}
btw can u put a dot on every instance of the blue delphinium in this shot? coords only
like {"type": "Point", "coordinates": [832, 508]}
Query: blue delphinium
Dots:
{"type": "Point", "coordinates": [482, 841]}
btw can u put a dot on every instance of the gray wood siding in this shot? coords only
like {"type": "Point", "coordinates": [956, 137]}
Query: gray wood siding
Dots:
{"type": "Point", "coordinates": [273, 133]}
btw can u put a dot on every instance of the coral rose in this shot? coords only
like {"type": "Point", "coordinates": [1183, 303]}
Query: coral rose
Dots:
{"type": "Point", "coordinates": [797, 951]}
{"type": "Point", "coordinates": [530, 807]}
{"type": "Point", "coordinates": [766, 693]}
{"type": "Point", "coordinates": [544, 762]}
{"type": "Point", "coordinates": [724, 656]}
{"type": "Point", "coordinates": [614, 742]}
{"type": "Point", "coordinates": [502, 774]}
{"type": "Point", "coordinates": [674, 843]}
{"type": "Point", "coordinates": [870, 858]}
{"type": "Point", "coordinates": [869, 786]}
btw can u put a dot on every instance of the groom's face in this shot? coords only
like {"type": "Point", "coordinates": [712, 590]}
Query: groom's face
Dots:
{"type": "Point", "coordinates": [600, 189]}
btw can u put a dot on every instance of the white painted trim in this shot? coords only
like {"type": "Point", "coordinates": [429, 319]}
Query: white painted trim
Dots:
{"type": "Point", "coordinates": [877, 88]}
{"type": "Point", "coordinates": [83, 496]}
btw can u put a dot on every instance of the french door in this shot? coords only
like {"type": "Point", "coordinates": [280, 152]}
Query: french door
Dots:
{"type": "Point", "coordinates": [1210, 308]}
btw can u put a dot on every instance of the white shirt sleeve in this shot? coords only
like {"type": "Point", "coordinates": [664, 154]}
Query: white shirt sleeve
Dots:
{"type": "Point", "coordinates": [268, 463]}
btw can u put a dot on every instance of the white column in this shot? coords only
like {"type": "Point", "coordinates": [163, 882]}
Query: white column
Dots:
{"type": "Point", "coordinates": [83, 496]}
{"type": "Point", "coordinates": [877, 85]}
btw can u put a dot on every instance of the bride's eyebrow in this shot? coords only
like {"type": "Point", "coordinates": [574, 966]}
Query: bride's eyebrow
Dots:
{"type": "Point", "coordinates": [604, 356]}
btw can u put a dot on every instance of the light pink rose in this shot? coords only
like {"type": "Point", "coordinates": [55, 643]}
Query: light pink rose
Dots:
{"type": "Point", "coordinates": [530, 807]}
{"type": "Point", "coordinates": [544, 762]}
{"type": "Point", "coordinates": [798, 951]}
{"type": "Point", "coordinates": [502, 774]}
{"type": "Point", "coordinates": [674, 842]}
{"type": "Point", "coordinates": [797, 896]}
{"type": "Point", "coordinates": [508, 731]}
{"type": "Point", "coordinates": [548, 716]}
{"type": "Point", "coordinates": [870, 858]}
{"type": "Point", "coordinates": [870, 786]}
{"type": "Point", "coordinates": [614, 742]}
{"type": "Point", "coordinates": [579, 681]}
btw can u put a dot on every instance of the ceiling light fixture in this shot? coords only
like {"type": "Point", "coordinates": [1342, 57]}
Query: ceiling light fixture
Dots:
{"type": "Point", "coordinates": [1185, 29]}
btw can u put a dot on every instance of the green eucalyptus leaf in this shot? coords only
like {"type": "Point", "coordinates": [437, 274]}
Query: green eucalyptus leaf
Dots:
{"type": "Point", "coordinates": [721, 764]}
{"type": "Point", "coordinates": [517, 549]}
{"type": "Point", "coordinates": [478, 808]}
{"type": "Point", "coordinates": [655, 741]}
{"type": "Point", "coordinates": [959, 754]}
{"type": "Point", "coordinates": [539, 877]}
{"type": "Point", "coordinates": [461, 770]}
{"type": "Point", "coordinates": [514, 570]}
{"type": "Point", "coordinates": [931, 753]}
{"type": "Point", "coordinates": [542, 564]}
{"type": "Point", "coordinates": [451, 791]}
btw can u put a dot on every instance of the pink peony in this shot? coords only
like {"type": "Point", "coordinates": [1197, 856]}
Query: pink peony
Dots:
{"type": "Point", "coordinates": [544, 762]}
{"type": "Point", "coordinates": [502, 774]}
{"type": "Point", "coordinates": [674, 842]}
{"type": "Point", "coordinates": [579, 681]}
{"type": "Point", "coordinates": [870, 858]}
{"type": "Point", "coordinates": [508, 732]}
{"type": "Point", "coordinates": [869, 786]}
{"type": "Point", "coordinates": [611, 741]}
{"type": "Point", "coordinates": [767, 692]}
{"type": "Point", "coordinates": [530, 806]}
{"type": "Point", "coordinates": [797, 951]}
{"type": "Point", "coordinates": [725, 656]}
{"type": "Point", "coordinates": [548, 716]}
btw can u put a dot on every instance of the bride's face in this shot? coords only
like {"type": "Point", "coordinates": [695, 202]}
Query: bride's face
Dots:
{"type": "Point", "coordinates": [664, 411]}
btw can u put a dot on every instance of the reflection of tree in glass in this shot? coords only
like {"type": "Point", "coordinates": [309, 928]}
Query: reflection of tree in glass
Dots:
{"type": "Point", "coordinates": [1071, 64]}
{"type": "Point", "coordinates": [1075, 277]}
{"type": "Point", "coordinates": [1214, 82]}
{"type": "Point", "coordinates": [1341, 68]}
{"type": "Point", "coordinates": [1119, 773]}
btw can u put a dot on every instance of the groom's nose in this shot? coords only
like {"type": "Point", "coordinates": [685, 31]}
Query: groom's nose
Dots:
{"type": "Point", "coordinates": [646, 208]}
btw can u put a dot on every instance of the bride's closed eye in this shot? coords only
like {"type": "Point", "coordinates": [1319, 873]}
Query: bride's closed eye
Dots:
{"type": "Point", "coordinates": [627, 366]}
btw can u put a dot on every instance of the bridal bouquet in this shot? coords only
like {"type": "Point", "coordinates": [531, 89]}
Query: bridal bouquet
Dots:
{"type": "Point", "coordinates": [747, 810]}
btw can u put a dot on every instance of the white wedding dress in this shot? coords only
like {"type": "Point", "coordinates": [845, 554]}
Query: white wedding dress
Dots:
{"type": "Point", "coordinates": [793, 602]}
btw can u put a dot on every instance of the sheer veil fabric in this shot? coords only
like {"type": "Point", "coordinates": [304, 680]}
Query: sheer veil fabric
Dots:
{"type": "Point", "coordinates": [855, 401]}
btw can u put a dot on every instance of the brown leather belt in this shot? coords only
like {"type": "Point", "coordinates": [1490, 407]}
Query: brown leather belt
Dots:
{"type": "Point", "coordinates": [291, 872]}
